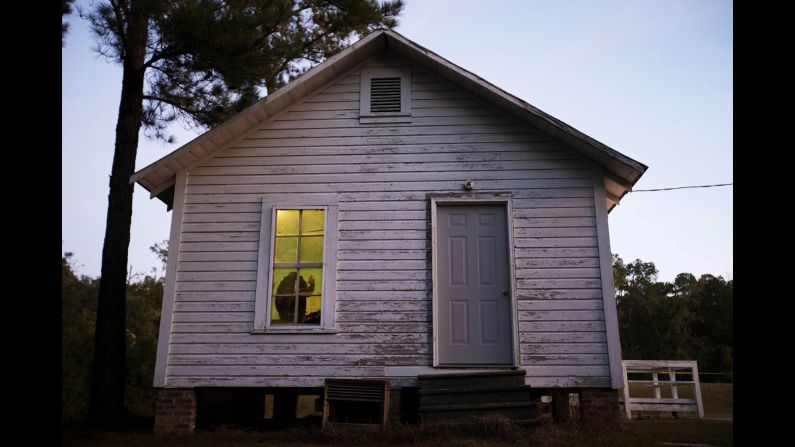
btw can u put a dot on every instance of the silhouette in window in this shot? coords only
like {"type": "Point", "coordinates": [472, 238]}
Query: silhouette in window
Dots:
{"type": "Point", "coordinates": [286, 304]}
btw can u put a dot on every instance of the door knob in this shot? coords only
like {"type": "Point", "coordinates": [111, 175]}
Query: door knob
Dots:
{"type": "Point", "coordinates": [505, 292]}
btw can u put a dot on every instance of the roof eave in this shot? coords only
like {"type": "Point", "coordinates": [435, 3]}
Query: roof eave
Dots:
{"type": "Point", "coordinates": [626, 168]}
{"type": "Point", "coordinates": [619, 168]}
{"type": "Point", "coordinates": [156, 176]}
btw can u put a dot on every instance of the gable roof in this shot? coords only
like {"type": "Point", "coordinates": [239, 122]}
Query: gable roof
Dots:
{"type": "Point", "coordinates": [621, 172]}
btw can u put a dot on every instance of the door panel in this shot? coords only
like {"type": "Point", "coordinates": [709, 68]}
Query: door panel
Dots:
{"type": "Point", "coordinates": [473, 285]}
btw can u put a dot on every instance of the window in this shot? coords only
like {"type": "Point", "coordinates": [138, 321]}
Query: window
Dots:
{"type": "Point", "coordinates": [385, 95]}
{"type": "Point", "coordinates": [296, 268]}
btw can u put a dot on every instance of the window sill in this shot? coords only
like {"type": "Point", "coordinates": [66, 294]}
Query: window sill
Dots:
{"type": "Point", "coordinates": [384, 118]}
{"type": "Point", "coordinates": [292, 330]}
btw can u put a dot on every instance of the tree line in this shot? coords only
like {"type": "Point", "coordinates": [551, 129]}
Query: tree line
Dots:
{"type": "Point", "coordinates": [78, 324]}
{"type": "Point", "coordinates": [687, 319]}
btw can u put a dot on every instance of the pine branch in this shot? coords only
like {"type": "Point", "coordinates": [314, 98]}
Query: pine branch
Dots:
{"type": "Point", "coordinates": [121, 31]}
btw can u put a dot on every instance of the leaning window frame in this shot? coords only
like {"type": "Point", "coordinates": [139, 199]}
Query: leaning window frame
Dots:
{"type": "Point", "coordinates": [264, 289]}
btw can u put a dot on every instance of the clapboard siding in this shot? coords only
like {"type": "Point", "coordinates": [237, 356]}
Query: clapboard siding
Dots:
{"type": "Point", "coordinates": [286, 381]}
{"type": "Point", "coordinates": [202, 307]}
{"type": "Point", "coordinates": [532, 200]}
{"type": "Point", "coordinates": [256, 174]}
{"type": "Point", "coordinates": [375, 184]}
{"type": "Point", "coordinates": [560, 315]}
{"type": "Point", "coordinates": [217, 258]}
{"type": "Point", "coordinates": [555, 273]}
{"type": "Point", "coordinates": [564, 359]}
{"type": "Point", "coordinates": [542, 151]}
{"type": "Point", "coordinates": [294, 341]}
{"type": "Point", "coordinates": [382, 176]}
{"type": "Point", "coordinates": [306, 348]}
{"type": "Point", "coordinates": [210, 297]}
{"type": "Point", "coordinates": [216, 265]}
{"type": "Point", "coordinates": [549, 305]}
{"type": "Point", "coordinates": [376, 255]}
{"type": "Point", "coordinates": [307, 360]}
{"type": "Point", "coordinates": [381, 306]}
{"type": "Point", "coordinates": [375, 275]}
{"type": "Point", "coordinates": [259, 147]}
{"type": "Point", "coordinates": [397, 295]}
{"type": "Point", "coordinates": [564, 348]}
{"type": "Point", "coordinates": [559, 294]}
{"type": "Point", "coordinates": [278, 178]}
{"type": "Point", "coordinates": [212, 317]}
{"type": "Point", "coordinates": [216, 276]}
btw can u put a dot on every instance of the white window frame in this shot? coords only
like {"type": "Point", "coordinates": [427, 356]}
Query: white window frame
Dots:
{"type": "Point", "coordinates": [262, 309]}
{"type": "Point", "coordinates": [368, 117]}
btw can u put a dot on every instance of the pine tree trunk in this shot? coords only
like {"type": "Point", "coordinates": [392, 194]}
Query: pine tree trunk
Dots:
{"type": "Point", "coordinates": [107, 385]}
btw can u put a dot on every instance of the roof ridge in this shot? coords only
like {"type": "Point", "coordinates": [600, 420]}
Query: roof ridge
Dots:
{"type": "Point", "coordinates": [620, 170]}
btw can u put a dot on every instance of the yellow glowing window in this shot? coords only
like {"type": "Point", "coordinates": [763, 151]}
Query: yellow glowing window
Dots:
{"type": "Point", "coordinates": [297, 267]}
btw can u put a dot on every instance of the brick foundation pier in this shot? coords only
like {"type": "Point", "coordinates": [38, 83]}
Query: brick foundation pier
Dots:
{"type": "Point", "coordinates": [599, 407]}
{"type": "Point", "coordinates": [595, 407]}
{"type": "Point", "coordinates": [175, 411]}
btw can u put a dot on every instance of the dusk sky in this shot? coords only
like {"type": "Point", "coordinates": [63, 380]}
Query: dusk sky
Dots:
{"type": "Point", "coordinates": [651, 79]}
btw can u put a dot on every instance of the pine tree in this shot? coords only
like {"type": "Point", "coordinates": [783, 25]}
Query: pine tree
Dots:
{"type": "Point", "coordinates": [201, 61]}
{"type": "Point", "coordinates": [66, 8]}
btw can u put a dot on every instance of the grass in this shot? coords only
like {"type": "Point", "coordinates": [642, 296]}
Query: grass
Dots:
{"type": "Point", "coordinates": [490, 434]}
{"type": "Point", "coordinates": [718, 398]}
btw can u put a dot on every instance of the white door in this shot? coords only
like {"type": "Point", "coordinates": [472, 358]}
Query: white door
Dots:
{"type": "Point", "coordinates": [473, 286]}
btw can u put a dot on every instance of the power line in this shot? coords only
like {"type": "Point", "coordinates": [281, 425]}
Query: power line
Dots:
{"type": "Point", "coordinates": [682, 187]}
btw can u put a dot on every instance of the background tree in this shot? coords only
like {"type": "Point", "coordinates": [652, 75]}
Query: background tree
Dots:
{"type": "Point", "coordinates": [687, 319]}
{"type": "Point", "coordinates": [711, 328]}
{"type": "Point", "coordinates": [144, 299]}
{"type": "Point", "coordinates": [66, 8]}
{"type": "Point", "coordinates": [200, 60]}
{"type": "Point", "coordinates": [78, 315]}
{"type": "Point", "coordinates": [642, 308]}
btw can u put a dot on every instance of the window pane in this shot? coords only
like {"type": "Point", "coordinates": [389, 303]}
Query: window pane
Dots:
{"type": "Point", "coordinates": [286, 250]}
{"type": "Point", "coordinates": [286, 222]}
{"type": "Point", "coordinates": [311, 281]}
{"type": "Point", "coordinates": [283, 311]}
{"type": "Point", "coordinates": [284, 281]}
{"type": "Point", "coordinates": [311, 309]}
{"type": "Point", "coordinates": [312, 223]}
{"type": "Point", "coordinates": [311, 249]}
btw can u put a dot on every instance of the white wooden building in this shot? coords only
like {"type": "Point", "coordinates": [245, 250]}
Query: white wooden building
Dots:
{"type": "Point", "coordinates": [388, 215]}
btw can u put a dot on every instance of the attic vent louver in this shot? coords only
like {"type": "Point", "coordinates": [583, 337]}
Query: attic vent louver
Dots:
{"type": "Point", "coordinates": [385, 94]}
